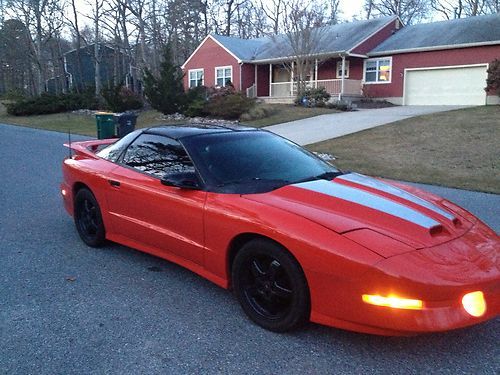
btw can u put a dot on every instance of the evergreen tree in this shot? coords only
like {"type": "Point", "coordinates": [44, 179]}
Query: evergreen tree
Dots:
{"type": "Point", "coordinates": [166, 92]}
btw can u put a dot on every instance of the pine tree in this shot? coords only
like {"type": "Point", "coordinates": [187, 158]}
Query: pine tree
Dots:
{"type": "Point", "coordinates": [165, 93]}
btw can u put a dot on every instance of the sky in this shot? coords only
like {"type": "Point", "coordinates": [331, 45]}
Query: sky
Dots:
{"type": "Point", "coordinates": [351, 8]}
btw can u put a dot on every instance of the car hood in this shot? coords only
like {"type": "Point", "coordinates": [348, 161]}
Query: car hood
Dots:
{"type": "Point", "coordinates": [369, 209]}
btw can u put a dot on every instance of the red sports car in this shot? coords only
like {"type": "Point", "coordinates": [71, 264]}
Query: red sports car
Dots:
{"type": "Point", "coordinates": [293, 236]}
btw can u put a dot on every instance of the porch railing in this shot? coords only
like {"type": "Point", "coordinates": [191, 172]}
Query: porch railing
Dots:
{"type": "Point", "coordinates": [332, 86]}
{"type": "Point", "coordinates": [252, 91]}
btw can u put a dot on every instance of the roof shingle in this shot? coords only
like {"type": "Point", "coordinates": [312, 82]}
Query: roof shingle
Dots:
{"type": "Point", "coordinates": [446, 34]}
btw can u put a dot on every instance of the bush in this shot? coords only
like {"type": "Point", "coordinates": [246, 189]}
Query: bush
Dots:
{"type": "Point", "coordinates": [195, 108]}
{"type": "Point", "coordinates": [49, 103]}
{"type": "Point", "coordinates": [120, 99]}
{"type": "Point", "coordinates": [493, 80]}
{"type": "Point", "coordinates": [257, 113]}
{"type": "Point", "coordinates": [227, 104]}
{"type": "Point", "coordinates": [313, 97]}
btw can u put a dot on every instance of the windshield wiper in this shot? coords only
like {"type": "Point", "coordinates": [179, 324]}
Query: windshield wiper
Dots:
{"type": "Point", "coordinates": [251, 180]}
{"type": "Point", "coordinates": [323, 176]}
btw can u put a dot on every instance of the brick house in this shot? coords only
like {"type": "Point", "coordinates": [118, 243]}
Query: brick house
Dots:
{"type": "Point", "coordinates": [435, 63]}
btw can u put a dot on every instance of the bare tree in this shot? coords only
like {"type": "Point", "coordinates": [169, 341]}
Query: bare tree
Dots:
{"type": "Point", "coordinates": [409, 11]}
{"type": "Point", "coordinates": [450, 9]}
{"type": "Point", "coordinates": [305, 34]}
{"type": "Point", "coordinates": [273, 9]}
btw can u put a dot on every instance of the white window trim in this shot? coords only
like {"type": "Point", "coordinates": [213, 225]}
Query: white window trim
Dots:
{"type": "Point", "coordinates": [377, 82]}
{"type": "Point", "coordinates": [225, 78]}
{"type": "Point", "coordinates": [339, 67]}
{"type": "Point", "coordinates": [196, 71]}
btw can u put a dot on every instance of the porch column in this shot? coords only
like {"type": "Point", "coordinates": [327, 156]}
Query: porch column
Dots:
{"type": "Point", "coordinates": [255, 80]}
{"type": "Point", "coordinates": [316, 73]}
{"type": "Point", "coordinates": [270, 79]}
{"type": "Point", "coordinates": [291, 78]}
{"type": "Point", "coordinates": [343, 78]}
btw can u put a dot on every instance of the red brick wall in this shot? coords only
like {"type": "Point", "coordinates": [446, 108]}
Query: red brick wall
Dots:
{"type": "Point", "coordinates": [462, 56]}
{"type": "Point", "coordinates": [209, 56]}
{"type": "Point", "coordinates": [376, 39]}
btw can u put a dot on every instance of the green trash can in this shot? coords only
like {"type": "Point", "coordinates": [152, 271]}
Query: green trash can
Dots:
{"type": "Point", "coordinates": [106, 126]}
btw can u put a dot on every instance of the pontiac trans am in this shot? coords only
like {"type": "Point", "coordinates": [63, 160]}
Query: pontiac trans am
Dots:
{"type": "Point", "coordinates": [295, 238]}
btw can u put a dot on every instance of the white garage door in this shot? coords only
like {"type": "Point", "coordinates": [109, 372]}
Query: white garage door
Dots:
{"type": "Point", "coordinates": [446, 86]}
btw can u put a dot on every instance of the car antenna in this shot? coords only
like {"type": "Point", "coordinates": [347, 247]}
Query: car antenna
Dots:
{"type": "Point", "coordinates": [69, 143]}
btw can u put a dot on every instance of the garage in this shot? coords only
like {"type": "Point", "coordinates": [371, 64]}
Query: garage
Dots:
{"type": "Point", "coordinates": [460, 85]}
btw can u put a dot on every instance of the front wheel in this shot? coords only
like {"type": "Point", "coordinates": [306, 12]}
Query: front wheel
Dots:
{"type": "Point", "coordinates": [270, 286]}
{"type": "Point", "coordinates": [88, 219]}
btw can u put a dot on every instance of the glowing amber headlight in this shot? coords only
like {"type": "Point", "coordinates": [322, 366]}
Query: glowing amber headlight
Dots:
{"type": "Point", "coordinates": [393, 301]}
{"type": "Point", "coordinates": [474, 303]}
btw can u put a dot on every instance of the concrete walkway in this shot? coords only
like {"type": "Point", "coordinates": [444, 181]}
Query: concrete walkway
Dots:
{"type": "Point", "coordinates": [321, 128]}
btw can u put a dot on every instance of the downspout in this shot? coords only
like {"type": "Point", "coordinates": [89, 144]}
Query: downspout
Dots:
{"type": "Point", "coordinates": [292, 78]}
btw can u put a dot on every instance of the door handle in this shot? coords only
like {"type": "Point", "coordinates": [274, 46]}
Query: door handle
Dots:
{"type": "Point", "coordinates": [114, 183]}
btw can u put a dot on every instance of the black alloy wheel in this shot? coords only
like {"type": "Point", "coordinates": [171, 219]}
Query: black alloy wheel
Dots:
{"type": "Point", "coordinates": [270, 286]}
{"type": "Point", "coordinates": [88, 219]}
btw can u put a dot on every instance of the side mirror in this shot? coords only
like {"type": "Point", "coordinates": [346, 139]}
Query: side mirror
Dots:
{"type": "Point", "coordinates": [182, 180]}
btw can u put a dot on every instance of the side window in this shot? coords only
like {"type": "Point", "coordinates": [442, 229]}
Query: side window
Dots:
{"type": "Point", "coordinates": [157, 156]}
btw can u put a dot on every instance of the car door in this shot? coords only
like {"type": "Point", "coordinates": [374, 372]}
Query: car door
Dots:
{"type": "Point", "coordinates": [142, 209]}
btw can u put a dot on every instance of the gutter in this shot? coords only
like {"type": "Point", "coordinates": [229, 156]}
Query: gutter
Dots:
{"type": "Point", "coordinates": [434, 48]}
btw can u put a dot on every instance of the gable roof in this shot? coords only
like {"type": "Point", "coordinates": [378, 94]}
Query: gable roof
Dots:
{"type": "Point", "coordinates": [336, 39]}
{"type": "Point", "coordinates": [464, 32]}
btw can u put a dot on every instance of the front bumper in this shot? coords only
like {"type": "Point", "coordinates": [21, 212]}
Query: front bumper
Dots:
{"type": "Point", "coordinates": [439, 276]}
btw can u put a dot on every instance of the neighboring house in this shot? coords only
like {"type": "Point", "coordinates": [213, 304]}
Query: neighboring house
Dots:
{"type": "Point", "coordinates": [437, 63]}
{"type": "Point", "coordinates": [115, 68]}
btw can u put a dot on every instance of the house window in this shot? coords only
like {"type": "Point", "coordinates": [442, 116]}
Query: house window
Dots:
{"type": "Point", "coordinates": [339, 69]}
{"type": "Point", "coordinates": [378, 70]}
{"type": "Point", "coordinates": [196, 78]}
{"type": "Point", "coordinates": [223, 75]}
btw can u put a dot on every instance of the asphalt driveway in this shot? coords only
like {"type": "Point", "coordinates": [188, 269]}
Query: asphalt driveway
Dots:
{"type": "Point", "coordinates": [66, 308]}
{"type": "Point", "coordinates": [320, 128]}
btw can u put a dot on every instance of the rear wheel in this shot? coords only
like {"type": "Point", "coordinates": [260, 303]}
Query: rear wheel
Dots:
{"type": "Point", "coordinates": [270, 286]}
{"type": "Point", "coordinates": [88, 219]}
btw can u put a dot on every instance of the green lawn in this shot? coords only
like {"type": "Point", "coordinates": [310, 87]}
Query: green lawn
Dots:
{"type": "Point", "coordinates": [458, 149]}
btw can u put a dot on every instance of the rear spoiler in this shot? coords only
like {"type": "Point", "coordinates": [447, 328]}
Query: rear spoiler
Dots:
{"type": "Point", "coordinates": [89, 148]}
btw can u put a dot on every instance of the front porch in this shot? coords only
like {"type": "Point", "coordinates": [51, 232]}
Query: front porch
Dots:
{"type": "Point", "coordinates": [277, 83]}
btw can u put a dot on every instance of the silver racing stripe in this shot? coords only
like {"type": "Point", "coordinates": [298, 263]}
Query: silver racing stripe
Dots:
{"type": "Point", "coordinates": [386, 188]}
{"type": "Point", "coordinates": [370, 200]}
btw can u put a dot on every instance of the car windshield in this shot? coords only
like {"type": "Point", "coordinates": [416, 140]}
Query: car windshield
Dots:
{"type": "Point", "coordinates": [253, 161]}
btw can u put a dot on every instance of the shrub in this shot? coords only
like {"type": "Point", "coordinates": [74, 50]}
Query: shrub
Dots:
{"type": "Point", "coordinates": [493, 80]}
{"type": "Point", "coordinates": [313, 97]}
{"type": "Point", "coordinates": [227, 104]}
{"type": "Point", "coordinates": [195, 108]}
{"type": "Point", "coordinates": [120, 99]}
{"type": "Point", "coordinates": [49, 103]}
{"type": "Point", "coordinates": [257, 113]}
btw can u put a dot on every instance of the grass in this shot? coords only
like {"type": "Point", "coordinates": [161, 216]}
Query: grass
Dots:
{"type": "Point", "coordinates": [458, 149]}
{"type": "Point", "coordinates": [84, 124]}
{"type": "Point", "coordinates": [279, 113]}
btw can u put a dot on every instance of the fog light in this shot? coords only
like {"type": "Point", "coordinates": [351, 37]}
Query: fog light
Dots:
{"type": "Point", "coordinates": [64, 192]}
{"type": "Point", "coordinates": [393, 301]}
{"type": "Point", "coordinates": [474, 303]}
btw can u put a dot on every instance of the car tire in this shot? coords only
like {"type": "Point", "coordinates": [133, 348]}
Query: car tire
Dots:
{"type": "Point", "coordinates": [88, 219]}
{"type": "Point", "coordinates": [270, 286]}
